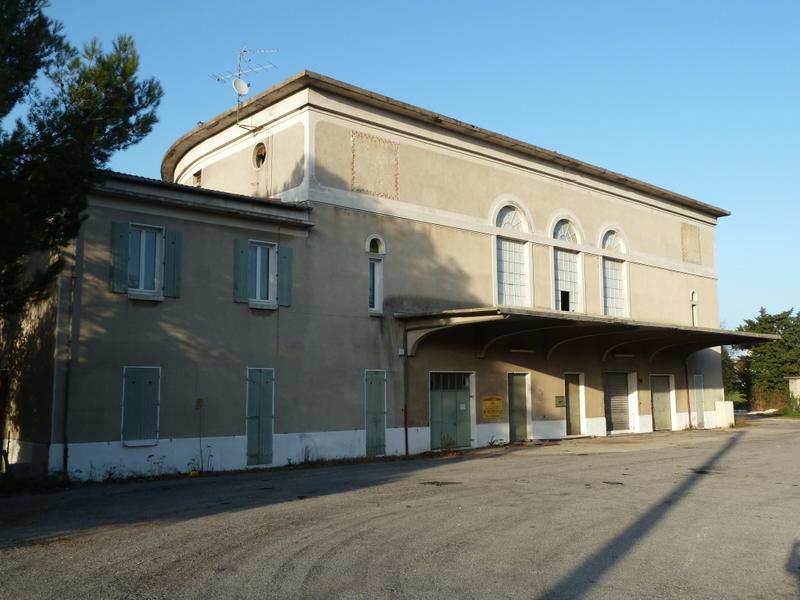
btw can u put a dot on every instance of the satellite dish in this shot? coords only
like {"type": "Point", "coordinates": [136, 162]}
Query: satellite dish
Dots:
{"type": "Point", "coordinates": [241, 86]}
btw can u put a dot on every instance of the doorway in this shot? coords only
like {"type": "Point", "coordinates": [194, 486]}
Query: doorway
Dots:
{"type": "Point", "coordinates": [518, 406]}
{"type": "Point", "coordinates": [661, 398]}
{"type": "Point", "coordinates": [616, 402]}
{"type": "Point", "coordinates": [572, 397]}
{"type": "Point", "coordinates": [451, 413]}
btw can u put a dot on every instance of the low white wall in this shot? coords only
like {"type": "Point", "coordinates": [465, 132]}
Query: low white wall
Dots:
{"type": "Point", "coordinates": [725, 416]}
{"type": "Point", "coordinates": [596, 426]}
{"type": "Point", "coordinates": [549, 430]}
{"type": "Point", "coordinates": [489, 433]}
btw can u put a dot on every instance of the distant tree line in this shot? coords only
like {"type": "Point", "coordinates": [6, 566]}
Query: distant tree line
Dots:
{"type": "Point", "coordinates": [757, 377]}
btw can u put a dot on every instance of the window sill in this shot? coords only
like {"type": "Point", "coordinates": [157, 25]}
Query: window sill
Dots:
{"type": "Point", "coordinates": [147, 296]}
{"type": "Point", "coordinates": [139, 443]}
{"type": "Point", "coordinates": [373, 312]}
{"type": "Point", "coordinates": [257, 305]}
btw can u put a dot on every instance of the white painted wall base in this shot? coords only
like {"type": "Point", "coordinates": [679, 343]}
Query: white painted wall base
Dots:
{"type": "Point", "coordinates": [724, 411]}
{"type": "Point", "coordinates": [645, 424]}
{"type": "Point", "coordinates": [487, 432]}
{"type": "Point", "coordinates": [681, 421]}
{"type": "Point", "coordinates": [596, 426]}
{"type": "Point", "coordinates": [419, 440]}
{"type": "Point", "coordinates": [549, 430]}
{"type": "Point", "coordinates": [295, 448]}
{"type": "Point", "coordinates": [103, 460]}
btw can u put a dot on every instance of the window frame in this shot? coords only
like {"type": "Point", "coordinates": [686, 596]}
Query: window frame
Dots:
{"type": "Point", "coordinates": [140, 293]}
{"type": "Point", "coordinates": [271, 302]}
{"type": "Point", "coordinates": [519, 235]}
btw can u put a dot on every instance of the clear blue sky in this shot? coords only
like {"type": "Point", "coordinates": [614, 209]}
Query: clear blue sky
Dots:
{"type": "Point", "coordinates": [702, 98]}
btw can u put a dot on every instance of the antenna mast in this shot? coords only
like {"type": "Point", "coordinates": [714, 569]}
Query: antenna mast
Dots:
{"type": "Point", "coordinates": [245, 65]}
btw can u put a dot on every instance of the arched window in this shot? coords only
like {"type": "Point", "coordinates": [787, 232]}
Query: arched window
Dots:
{"type": "Point", "coordinates": [513, 285]}
{"type": "Point", "coordinates": [614, 285]}
{"type": "Point", "coordinates": [565, 231]}
{"type": "Point", "coordinates": [376, 249]}
{"type": "Point", "coordinates": [566, 269]}
{"type": "Point", "coordinates": [510, 217]}
{"type": "Point", "coordinates": [693, 300]}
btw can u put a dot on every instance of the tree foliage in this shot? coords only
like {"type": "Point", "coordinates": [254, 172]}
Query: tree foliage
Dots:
{"type": "Point", "coordinates": [77, 108]}
{"type": "Point", "coordinates": [769, 364]}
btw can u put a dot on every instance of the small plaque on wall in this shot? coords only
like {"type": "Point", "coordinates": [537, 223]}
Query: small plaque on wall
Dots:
{"type": "Point", "coordinates": [561, 401]}
{"type": "Point", "coordinates": [492, 408]}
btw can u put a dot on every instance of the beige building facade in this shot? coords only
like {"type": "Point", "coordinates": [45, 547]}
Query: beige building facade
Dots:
{"type": "Point", "coordinates": [327, 273]}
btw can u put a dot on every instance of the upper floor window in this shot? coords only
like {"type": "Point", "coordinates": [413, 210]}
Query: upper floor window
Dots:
{"type": "Point", "coordinates": [376, 249]}
{"type": "Point", "coordinates": [694, 299]}
{"type": "Point", "coordinates": [262, 273]}
{"type": "Point", "coordinates": [145, 261]}
{"type": "Point", "coordinates": [614, 285]}
{"type": "Point", "coordinates": [262, 269]}
{"type": "Point", "coordinates": [565, 232]}
{"type": "Point", "coordinates": [511, 218]}
{"type": "Point", "coordinates": [512, 260]}
{"type": "Point", "coordinates": [566, 269]}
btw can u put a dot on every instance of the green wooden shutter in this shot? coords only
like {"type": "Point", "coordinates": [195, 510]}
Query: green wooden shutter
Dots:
{"type": "Point", "coordinates": [120, 233]}
{"type": "Point", "coordinates": [375, 400]}
{"type": "Point", "coordinates": [284, 276]}
{"type": "Point", "coordinates": [267, 410]}
{"type": "Point", "coordinates": [259, 416]}
{"type": "Point", "coordinates": [240, 270]}
{"type": "Point", "coordinates": [253, 415]}
{"type": "Point", "coordinates": [172, 263]}
{"type": "Point", "coordinates": [140, 404]}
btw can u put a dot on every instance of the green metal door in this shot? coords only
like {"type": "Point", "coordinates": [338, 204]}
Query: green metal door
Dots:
{"type": "Point", "coordinates": [518, 407]}
{"type": "Point", "coordinates": [572, 396]}
{"type": "Point", "coordinates": [660, 394]}
{"type": "Point", "coordinates": [260, 392]}
{"type": "Point", "coordinates": [699, 401]}
{"type": "Point", "coordinates": [375, 408]}
{"type": "Point", "coordinates": [450, 410]}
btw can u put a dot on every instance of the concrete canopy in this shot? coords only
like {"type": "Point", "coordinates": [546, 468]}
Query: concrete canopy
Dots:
{"type": "Point", "coordinates": [546, 332]}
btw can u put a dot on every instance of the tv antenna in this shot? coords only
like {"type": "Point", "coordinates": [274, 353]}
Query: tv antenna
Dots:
{"type": "Point", "coordinates": [246, 65]}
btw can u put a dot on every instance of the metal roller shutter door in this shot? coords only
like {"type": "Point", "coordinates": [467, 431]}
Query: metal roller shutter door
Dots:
{"type": "Point", "coordinates": [616, 401]}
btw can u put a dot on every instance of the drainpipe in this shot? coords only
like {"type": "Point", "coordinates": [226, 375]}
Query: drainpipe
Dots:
{"type": "Point", "coordinates": [688, 390]}
{"type": "Point", "coordinates": [72, 325]}
{"type": "Point", "coordinates": [405, 384]}
{"type": "Point", "coordinates": [67, 370]}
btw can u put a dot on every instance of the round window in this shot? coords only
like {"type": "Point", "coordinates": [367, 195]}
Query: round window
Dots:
{"type": "Point", "coordinates": [259, 155]}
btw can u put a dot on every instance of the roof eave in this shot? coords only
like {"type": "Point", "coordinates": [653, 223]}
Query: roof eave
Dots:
{"type": "Point", "coordinates": [309, 79]}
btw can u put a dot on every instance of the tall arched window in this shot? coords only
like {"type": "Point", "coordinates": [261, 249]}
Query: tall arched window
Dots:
{"type": "Point", "coordinates": [566, 268]}
{"type": "Point", "coordinates": [512, 259]}
{"type": "Point", "coordinates": [614, 288]}
{"type": "Point", "coordinates": [376, 249]}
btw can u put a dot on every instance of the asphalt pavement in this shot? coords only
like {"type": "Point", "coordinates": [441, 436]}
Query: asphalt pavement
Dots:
{"type": "Point", "coordinates": [693, 514]}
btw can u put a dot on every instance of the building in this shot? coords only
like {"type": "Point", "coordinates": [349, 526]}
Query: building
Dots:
{"type": "Point", "coordinates": [325, 272]}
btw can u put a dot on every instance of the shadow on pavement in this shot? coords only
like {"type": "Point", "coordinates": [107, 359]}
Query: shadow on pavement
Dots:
{"type": "Point", "coordinates": [793, 564]}
{"type": "Point", "coordinates": [583, 577]}
{"type": "Point", "coordinates": [51, 517]}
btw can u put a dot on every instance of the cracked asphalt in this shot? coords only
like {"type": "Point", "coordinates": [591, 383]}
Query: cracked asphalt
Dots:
{"type": "Point", "coordinates": [694, 514]}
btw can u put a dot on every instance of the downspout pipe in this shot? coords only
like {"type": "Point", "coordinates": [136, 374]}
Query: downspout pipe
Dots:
{"type": "Point", "coordinates": [405, 385]}
{"type": "Point", "coordinates": [688, 390]}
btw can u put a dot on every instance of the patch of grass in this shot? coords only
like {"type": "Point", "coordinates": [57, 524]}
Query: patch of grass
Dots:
{"type": "Point", "coordinates": [787, 413]}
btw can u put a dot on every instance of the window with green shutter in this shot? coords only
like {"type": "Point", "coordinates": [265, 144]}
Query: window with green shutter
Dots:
{"type": "Point", "coordinates": [141, 397]}
{"type": "Point", "coordinates": [262, 274]}
{"type": "Point", "coordinates": [145, 261]}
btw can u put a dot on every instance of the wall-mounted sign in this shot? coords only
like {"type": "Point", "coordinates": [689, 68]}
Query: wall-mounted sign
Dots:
{"type": "Point", "coordinates": [492, 408]}
{"type": "Point", "coordinates": [561, 401]}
